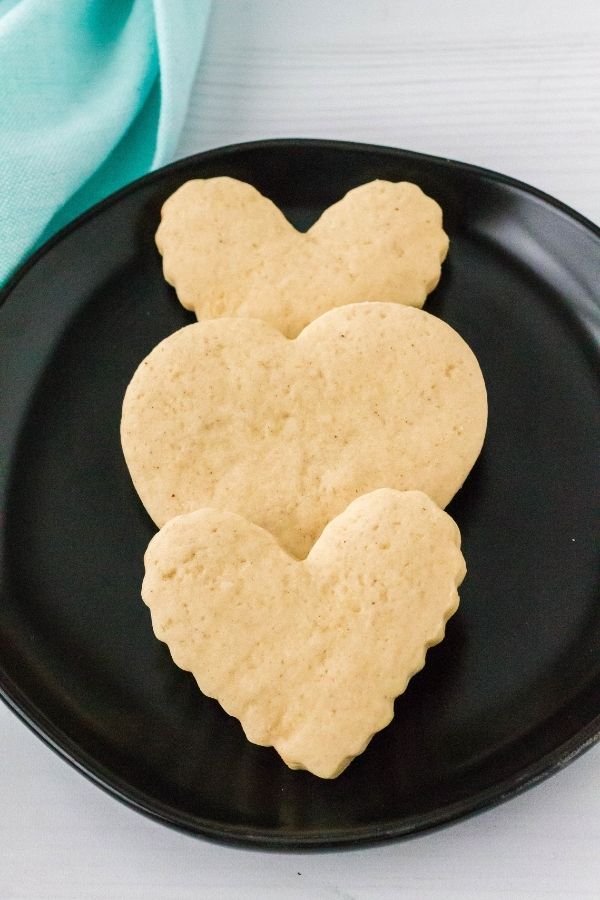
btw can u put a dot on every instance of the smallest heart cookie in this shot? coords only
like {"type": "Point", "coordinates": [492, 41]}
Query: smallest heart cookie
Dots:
{"type": "Point", "coordinates": [308, 654]}
{"type": "Point", "coordinates": [229, 251]}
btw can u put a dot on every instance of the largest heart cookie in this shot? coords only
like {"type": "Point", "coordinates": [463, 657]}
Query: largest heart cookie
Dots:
{"type": "Point", "coordinates": [308, 655]}
{"type": "Point", "coordinates": [230, 252]}
{"type": "Point", "coordinates": [228, 413]}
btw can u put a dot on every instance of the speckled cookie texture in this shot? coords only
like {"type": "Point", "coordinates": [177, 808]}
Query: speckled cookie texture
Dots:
{"type": "Point", "coordinates": [308, 655]}
{"type": "Point", "coordinates": [230, 414]}
{"type": "Point", "coordinates": [229, 251]}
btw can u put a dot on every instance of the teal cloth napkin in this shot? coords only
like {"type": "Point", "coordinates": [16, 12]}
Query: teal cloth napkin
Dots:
{"type": "Point", "coordinates": [93, 93]}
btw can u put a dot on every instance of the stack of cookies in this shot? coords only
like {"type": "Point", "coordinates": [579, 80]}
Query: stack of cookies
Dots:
{"type": "Point", "coordinates": [296, 447]}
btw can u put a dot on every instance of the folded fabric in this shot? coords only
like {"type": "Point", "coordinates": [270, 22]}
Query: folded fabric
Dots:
{"type": "Point", "coordinates": [93, 94]}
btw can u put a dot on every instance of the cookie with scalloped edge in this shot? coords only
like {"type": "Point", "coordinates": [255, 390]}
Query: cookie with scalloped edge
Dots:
{"type": "Point", "coordinates": [229, 251]}
{"type": "Point", "coordinates": [309, 655]}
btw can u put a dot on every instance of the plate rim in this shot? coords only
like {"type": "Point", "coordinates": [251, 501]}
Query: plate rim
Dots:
{"type": "Point", "coordinates": [264, 838]}
{"type": "Point", "coordinates": [263, 144]}
{"type": "Point", "coordinates": [277, 840]}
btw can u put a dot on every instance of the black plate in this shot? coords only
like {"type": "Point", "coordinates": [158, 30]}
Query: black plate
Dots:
{"type": "Point", "coordinates": [511, 694]}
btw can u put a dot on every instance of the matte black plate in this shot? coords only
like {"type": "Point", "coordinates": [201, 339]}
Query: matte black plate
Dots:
{"type": "Point", "coordinates": [514, 690]}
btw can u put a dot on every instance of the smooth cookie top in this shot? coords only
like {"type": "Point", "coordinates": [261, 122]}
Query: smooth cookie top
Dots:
{"type": "Point", "coordinates": [230, 414]}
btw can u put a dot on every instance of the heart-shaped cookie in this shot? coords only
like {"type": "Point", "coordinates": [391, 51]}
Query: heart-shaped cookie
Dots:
{"type": "Point", "coordinates": [308, 655]}
{"type": "Point", "coordinates": [229, 251]}
{"type": "Point", "coordinates": [230, 414]}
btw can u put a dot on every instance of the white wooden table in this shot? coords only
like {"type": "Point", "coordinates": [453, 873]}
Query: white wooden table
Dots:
{"type": "Point", "coordinates": [513, 86]}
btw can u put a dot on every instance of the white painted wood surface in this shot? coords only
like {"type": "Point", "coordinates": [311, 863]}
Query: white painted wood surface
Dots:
{"type": "Point", "coordinates": [513, 86]}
